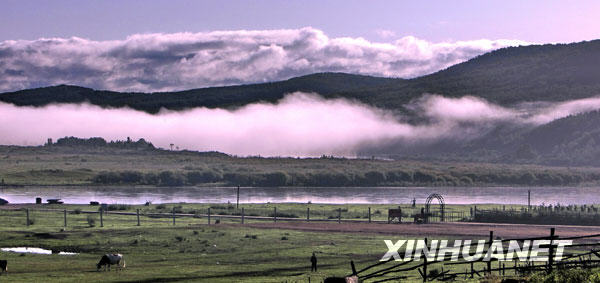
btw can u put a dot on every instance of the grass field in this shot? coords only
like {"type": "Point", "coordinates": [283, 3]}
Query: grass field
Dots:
{"type": "Point", "coordinates": [193, 251]}
{"type": "Point", "coordinates": [188, 251]}
{"type": "Point", "coordinates": [77, 165]}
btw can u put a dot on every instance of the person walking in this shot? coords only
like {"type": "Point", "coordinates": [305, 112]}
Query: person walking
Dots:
{"type": "Point", "coordinates": [313, 261]}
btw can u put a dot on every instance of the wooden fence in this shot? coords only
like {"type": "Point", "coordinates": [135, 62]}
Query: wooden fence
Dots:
{"type": "Point", "coordinates": [574, 256]}
{"type": "Point", "coordinates": [209, 216]}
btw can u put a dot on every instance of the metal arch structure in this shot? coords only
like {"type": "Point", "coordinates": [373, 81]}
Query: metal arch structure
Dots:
{"type": "Point", "coordinates": [440, 199]}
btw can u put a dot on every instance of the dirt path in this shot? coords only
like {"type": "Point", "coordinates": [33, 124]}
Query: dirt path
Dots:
{"type": "Point", "coordinates": [474, 230]}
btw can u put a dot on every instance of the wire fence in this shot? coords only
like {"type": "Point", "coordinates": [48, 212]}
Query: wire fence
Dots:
{"type": "Point", "coordinates": [123, 215]}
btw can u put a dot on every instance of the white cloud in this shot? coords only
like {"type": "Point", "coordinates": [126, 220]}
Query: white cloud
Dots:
{"type": "Point", "coordinates": [385, 33]}
{"type": "Point", "coordinates": [300, 124]}
{"type": "Point", "coordinates": [164, 62]}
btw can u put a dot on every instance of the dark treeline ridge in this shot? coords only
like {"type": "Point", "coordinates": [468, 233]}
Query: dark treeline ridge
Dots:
{"type": "Point", "coordinates": [336, 179]}
{"type": "Point", "coordinates": [100, 142]}
{"type": "Point", "coordinates": [550, 72]}
{"type": "Point", "coordinates": [545, 214]}
{"type": "Point", "coordinates": [72, 160]}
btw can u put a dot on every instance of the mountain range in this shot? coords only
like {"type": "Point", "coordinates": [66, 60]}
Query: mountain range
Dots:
{"type": "Point", "coordinates": [507, 77]}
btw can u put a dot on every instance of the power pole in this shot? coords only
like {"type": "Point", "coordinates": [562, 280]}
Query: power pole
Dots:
{"type": "Point", "coordinates": [238, 197]}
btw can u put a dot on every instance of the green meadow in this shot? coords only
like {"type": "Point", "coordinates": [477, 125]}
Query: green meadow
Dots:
{"type": "Point", "coordinates": [190, 250]}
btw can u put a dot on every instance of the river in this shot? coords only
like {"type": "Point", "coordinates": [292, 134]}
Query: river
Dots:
{"type": "Point", "coordinates": [345, 195]}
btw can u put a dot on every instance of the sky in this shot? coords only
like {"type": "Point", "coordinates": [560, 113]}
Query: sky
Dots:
{"type": "Point", "coordinates": [539, 21]}
{"type": "Point", "coordinates": [150, 46]}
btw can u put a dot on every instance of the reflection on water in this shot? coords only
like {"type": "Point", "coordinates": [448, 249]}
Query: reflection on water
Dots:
{"type": "Point", "coordinates": [366, 195]}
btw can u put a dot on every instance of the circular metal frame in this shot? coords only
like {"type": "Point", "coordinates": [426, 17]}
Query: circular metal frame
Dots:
{"type": "Point", "coordinates": [440, 199]}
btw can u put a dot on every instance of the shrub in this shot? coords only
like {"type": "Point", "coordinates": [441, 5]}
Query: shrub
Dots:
{"type": "Point", "coordinates": [91, 221]}
{"type": "Point", "coordinates": [170, 179]}
{"type": "Point", "coordinates": [113, 207]}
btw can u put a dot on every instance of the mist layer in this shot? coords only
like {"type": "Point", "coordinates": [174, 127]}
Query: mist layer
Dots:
{"type": "Point", "coordinates": [300, 124]}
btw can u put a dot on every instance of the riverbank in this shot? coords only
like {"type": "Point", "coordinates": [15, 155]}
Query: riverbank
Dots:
{"type": "Point", "coordinates": [91, 165]}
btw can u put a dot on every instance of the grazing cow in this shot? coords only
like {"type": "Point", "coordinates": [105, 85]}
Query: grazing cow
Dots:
{"type": "Point", "coordinates": [109, 259]}
{"type": "Point", "coordinates": [3, 263]}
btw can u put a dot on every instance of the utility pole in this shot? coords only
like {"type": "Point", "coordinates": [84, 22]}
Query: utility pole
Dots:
{"type": "Point", "coordinates": [528, 200]}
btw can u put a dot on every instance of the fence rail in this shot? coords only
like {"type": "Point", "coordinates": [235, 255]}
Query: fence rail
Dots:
{"type": "Point", "coordinates": [241, 215]}
{"type": "Point", "coordinates": [574, 257]}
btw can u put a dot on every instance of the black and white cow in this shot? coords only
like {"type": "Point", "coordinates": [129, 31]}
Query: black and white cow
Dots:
{"type": "Point", "coordinates": [3, 264]}
{"type": "Point", "coordinates": [109, 259]}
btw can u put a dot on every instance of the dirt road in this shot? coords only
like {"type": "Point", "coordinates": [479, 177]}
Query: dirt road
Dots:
{"type": "Point", "coordinates": [474, 230]}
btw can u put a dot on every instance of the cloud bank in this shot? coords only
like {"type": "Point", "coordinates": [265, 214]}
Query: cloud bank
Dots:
{"type": "Point", "coordinates": [300, 124]}
{"type": "Point", "coordinates": [166, 62]}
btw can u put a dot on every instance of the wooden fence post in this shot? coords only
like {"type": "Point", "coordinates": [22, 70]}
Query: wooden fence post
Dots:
{"type": "Point", "coordinates": [275, 214]}
{"type": "Point", "coordinates": [489, 263]}
{"type": "Point", "coordinates": [242, 215]}
{"type": "Point", "coordinates": [472, 271]}
{"type": "Point", "coordinates": [340, 215]}
{"type": "Point", "coordinates": [499, 268]}
{"type": "Point", "coordinates": [369, 214]}
{"type": "Point", "coordinates": [307, 214]}
{"type": "Point", "coordinates": [173, 212]}
{"type": "Point", "coordinates": [425, 263]}
{"type": "Point", "coordinates": [65, 214]}
{"type": "Point", "coordinates": [101, 219]}
{"type": "Point", "coordinates": [551, 251]}
{"type": "Point", "coordinates": [27, 211]}
{"type": "Point", "coordinates": [209, 216]}
{"type": "Point", "coordinates": [138, 217]}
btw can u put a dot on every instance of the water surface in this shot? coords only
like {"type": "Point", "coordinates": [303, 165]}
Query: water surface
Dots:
{"type": "Point", "coordinates": [343, 195]}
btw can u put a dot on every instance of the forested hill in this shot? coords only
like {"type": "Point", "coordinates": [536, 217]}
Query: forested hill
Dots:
{"type": "Point", "coordinates": [506, 76]}
{"type": "Point", "coordinates": [326, 84]}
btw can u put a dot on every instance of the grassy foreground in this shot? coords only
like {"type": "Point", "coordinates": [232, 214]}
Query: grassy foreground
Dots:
{"type": "Point", "coordinates": [190, 251]}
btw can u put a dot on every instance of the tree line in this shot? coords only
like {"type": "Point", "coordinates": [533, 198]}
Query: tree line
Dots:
{"type": "Point", "coordinates": [340, 179]}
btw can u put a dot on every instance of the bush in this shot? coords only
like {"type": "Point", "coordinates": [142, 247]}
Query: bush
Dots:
{"type": "Point", "coordinates": [113, 207]}
{"type": "Point", "coordinates": [199, 177]}
{"type": "Point", "coordinates": [275, 179]}
{"type": "Point", "coordinates": [373, 178]}
{"type": "Point", "coordinates": [566, 276]}
{"type": "Point", "coordinates": [177, 209]}
{"type": "Point", "coordinates": [170, 179]}
{"type": "Point", "coordinates": [91, 221]}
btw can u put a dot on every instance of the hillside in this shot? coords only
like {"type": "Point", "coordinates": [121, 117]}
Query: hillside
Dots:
{"type": "Point", "coordinates": [95, 161]}
{"type": "Point", "coordinates": [506, 76]}
{"type": "Point", "coordinates": [570, 141]}
{"type": "Point", "coordinates": [326, 84]}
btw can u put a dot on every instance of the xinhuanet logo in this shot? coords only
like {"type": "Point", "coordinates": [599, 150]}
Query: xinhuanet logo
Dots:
{"type": "Point", "coordinates": [439, 250]}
